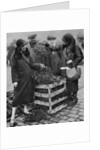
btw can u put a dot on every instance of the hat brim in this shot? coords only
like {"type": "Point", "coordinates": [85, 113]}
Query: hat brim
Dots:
{"type": "Point", "coordinates": [31, 37]}
{"type": "Point", "coordinates": [51, 38]}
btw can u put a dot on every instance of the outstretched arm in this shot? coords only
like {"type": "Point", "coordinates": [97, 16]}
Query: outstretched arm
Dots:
{"type": "Point", "coordinates": [35, 66]}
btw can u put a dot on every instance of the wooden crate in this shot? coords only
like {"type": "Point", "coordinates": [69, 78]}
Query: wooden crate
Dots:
{"type": "Point", "coordinates": [52, 96]}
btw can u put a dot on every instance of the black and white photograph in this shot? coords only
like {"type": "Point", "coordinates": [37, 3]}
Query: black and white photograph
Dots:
{"type": "Point", "coordinates": [45, 77]}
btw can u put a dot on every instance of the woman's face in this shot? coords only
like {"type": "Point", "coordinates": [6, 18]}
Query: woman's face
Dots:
{"type": "Point", "coordinates": [67, 43]}
{"type": "Point", "coordinates": [23, 48]}
{"type": "Point", "coordinates": [25, 51]}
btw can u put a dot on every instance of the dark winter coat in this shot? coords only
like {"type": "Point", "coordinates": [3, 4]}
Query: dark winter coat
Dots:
{"type": "Point", "coordinates": [21, 72]}
{"type": "Point", "coordinates": [54, 60]}
{"type": "Point", "coordinates": [76, 56]}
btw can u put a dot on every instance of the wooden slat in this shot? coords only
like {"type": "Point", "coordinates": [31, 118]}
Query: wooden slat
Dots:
{"type": "Point", "coordinates": [49, 95]}
{"type": "Point", "coordinates": [41, 99]}
{"type": "Point", "coordinates": [57, 88]}
{"type": "Point", "coordinates": [58, 100]}
{"type": "Point", "coordinates": [57, 92]}
{"type": "Point", "coordinates": [41, 103]}
{"type": "Point", "coordinates": [41, 90]}
{"type": "Point", "coordinates": [57, 108]}
{"type": "Point", "coordinates": [41, 94]}
{"type": "Point", "coordinates": [46, 86]}
{"type": "Point", "coordinates": [57, 83]}
{"type": "Point", "coordinates": [42, 86]}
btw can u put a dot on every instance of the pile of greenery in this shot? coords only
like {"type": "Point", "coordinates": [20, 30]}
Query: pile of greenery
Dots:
{"type": "Point", "coordinates": [45, 76]}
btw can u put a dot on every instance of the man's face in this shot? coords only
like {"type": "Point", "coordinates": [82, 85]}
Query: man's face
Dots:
{"type": "Point", "coordinates": [32, 44]}
{"type": "Point", "coordinates": [52, 43]}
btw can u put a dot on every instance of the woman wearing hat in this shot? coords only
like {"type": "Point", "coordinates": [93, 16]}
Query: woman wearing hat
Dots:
{"type": "Point", "coordinates": [21, 71]}
{"type": "Point", "coordinates": [72, 57]}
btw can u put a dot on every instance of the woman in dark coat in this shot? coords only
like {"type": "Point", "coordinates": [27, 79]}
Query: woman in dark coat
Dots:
{"type": "Point", "coordinates": [21, 71]}
{"type": "Point", "coordinates": [72, 53]}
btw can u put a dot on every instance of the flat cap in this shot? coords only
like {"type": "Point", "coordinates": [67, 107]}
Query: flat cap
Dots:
{"type": "Point", "coordinates": [80, 35]}
{"type": "Point", "coordinates": [33, 36]}
{"type": "Point", "coordinates": [51, 38]}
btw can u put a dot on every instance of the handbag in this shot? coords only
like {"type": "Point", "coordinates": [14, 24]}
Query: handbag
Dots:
{"type": "Point", "coordinates": [73, 73]}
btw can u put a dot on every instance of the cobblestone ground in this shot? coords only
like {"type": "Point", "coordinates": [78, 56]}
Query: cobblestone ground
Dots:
{"type": "Point", "coordinates": [68, 114]}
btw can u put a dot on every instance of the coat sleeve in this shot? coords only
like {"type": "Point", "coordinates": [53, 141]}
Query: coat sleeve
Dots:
{"type": "Point", "coordinates": [14, 70]}
{"type": "Point", "coordinates": [78, 56]}
{"type": "Point", "coordinates": [33, 66]}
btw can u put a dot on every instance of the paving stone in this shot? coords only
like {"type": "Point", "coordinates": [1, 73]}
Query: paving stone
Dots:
{"type": "Point", "coordinates": [73, 115]}
{"type": "Point", "coordinates": [81, 104]}
{"type": "Point", "coordinates": [49, 122]}
{"type": "Point", "coordinates": [70, 119]}
{"type": "Point", "coordinates": [74, 111]}
{"type": "Point", "coordinates": [60, 117]}
{"type": "Point", "coordinates": [76, 106]}
{"type": "Point", "coordinates": [21, 123]}
{"type": "Point", "coordinates": [62, 113]}
{"type": "Point", "coordinates": [76, 120]}
{"type": "Point", "coordinates": [42, 121]}
{"type": "Point", "coordinates": [81, 118]}
{"type": "Point", "coordinates": [65, 117]}
{"type": "Point", "coordinates": [81, 101]}
{"type": "Point", "coordinates": [65, 110]}
{"type": "Point", "coordinates": [45, 121]}
{"type": "Point", "coordinates": [34, 123]}
{"type": "Point", "coordinates": [80, 113]}
{"type": "Point", "coordinates": [62, 121]}
{"type": "Point", "coordinates": [57, 115]}
{"type": "Point", "coordinates": [69, 108]}
{"type": "Point", "coordinates": [81, 110]}
{"type": "Point", "coordinates": [81, 107]}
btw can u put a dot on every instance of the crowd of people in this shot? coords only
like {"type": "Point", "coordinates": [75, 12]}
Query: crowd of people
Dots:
{"type": "Point", "coordinates": [24, 61]}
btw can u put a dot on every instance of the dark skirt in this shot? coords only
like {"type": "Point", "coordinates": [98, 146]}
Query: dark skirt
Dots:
{"type": "Point", "coordinates": [72, 86]}
{"type": "Point", "coordinates": [24, 93]}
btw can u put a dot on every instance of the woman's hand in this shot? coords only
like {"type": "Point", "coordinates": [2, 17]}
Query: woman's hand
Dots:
{"type": "Point", "coordinates": [15, 84]}
{"type": "Point", "coordinates": [42, 65]}
{"type": "Point", "coordinates": [69, 61]}
{"type": "Point", "coordinates": [70, 64]}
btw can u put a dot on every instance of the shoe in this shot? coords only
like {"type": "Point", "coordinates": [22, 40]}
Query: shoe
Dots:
{"type": "Point", "coordinates": [13, 124]}
{"type": "Point", "coordinates": [73, 101]}
{"type": "Point", "coordinates": [69, 99]}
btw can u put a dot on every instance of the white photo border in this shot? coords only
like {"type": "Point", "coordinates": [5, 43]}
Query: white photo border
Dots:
{"type": "Point", "coordinates": [50, 134]}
